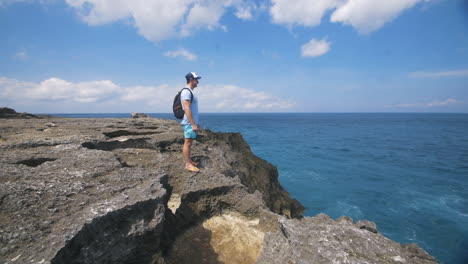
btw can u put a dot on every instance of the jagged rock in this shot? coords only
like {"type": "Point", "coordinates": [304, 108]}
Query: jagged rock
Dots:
{"type": "Point", "coordinates": [139, 115]}
{"type": "Point", "coordinates": [320, 239]}
{"type": "Point", "coordinates": [124, 229]}
{"type": "Point", "coordinates": [115, 191]}
{"type": "Point", "coordinates": [370, 226]}
{"type": "Point", "coordinates": [6, 112]}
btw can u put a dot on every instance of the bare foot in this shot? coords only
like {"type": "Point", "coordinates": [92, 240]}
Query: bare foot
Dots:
{"type": "Point", "coordinates": [191, 168]}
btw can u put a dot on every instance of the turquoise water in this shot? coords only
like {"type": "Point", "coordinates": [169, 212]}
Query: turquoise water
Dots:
{"type": "Point", "coordinates": [408, 173]}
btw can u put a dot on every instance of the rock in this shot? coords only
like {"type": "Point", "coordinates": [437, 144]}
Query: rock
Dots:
{"type": "Point", "coordinates": [139, 115]}
{"type": "Point", "coordinates": [115, 191]}
{"type": "Point", "coordinates": [322, 240]}
{"type": "Point", "coordinates": [370, 226]}
{"type": "Point", "coordinates": [6, 112]}
{"type": "Point", "coordinates": [230, 238]}
{"type": "Point", "coordinates": [123, 231]}
{"type": "Point", "coordinates": [50, 124]}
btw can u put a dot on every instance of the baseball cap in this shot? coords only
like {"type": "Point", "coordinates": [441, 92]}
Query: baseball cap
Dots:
{"type": "Point", "coordinates": [192, 75]}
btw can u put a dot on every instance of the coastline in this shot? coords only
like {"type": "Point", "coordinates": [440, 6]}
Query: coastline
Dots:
{"type": "Point", "coordinates": [82, 156]}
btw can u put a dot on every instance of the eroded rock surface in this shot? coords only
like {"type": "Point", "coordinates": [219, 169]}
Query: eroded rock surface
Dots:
{"type": "Point", "coordinates": [115, 191]}
{"type": "Point", "coordinates": [320, 239]}
{"type": "Point", "coordinates": [228, 238]}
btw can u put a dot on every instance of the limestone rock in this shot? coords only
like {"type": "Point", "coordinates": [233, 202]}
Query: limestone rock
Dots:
{"type": "Point", "coordinates": [370, 226]}
{"type": "Point", "coordinates": [320, 239]}
{"type": "Point", "coordinates": [139, 115]}
{"type": "Point", "coordinates": [115, 191]}
{"type": "Point", "coordinates": [50, 124]}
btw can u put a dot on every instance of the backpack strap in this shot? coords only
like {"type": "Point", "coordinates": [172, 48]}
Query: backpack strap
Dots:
{"type": "Point", "coordinates": [191, 98]}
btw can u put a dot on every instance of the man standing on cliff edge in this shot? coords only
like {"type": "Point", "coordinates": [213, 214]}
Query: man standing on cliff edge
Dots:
{"type": "Point", "coordinates": [190, 120]}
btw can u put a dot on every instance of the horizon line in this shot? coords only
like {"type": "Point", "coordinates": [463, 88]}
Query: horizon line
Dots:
{"type": "Point", "coordinates": [88, 113]}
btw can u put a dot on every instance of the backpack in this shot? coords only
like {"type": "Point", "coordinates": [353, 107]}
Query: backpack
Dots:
{"type": "Point", "coordinates": [177, 105]}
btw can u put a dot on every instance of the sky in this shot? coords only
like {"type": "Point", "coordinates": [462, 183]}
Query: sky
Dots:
{"type": "Point", "coordinates": [119, 56]}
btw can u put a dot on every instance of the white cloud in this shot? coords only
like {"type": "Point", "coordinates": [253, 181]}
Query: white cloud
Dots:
{"type": "Point", "coordinates": [158, 20]}
{"type": "Point", "coordinates": [212, 98]}
{"type": "Point", "coordinates": [96, 12]}
{"type": "Point", "coordinates": [441, 74]}
{"type": "Point", "coordinates": [442, 103]}
{"type": "Point", "coordinates": [205, 14]}
{"type": "Point", "coordinates": [315, 48]}
{"type": "Point", "coordinates": [181, 53]}
{"type": "Point", "coordinates": [364, 15]}
{"type": "Point", "coordinates": [245, 12]}
{"type": "Point", "coordinates": [110, 97]}
{"type": "Point", "coordinates": [56, 89]}
{"type": "Point", "coordinates": [158, 96]}
{"type": "Point", "coordinates": [300, 12]}
{"type": "Point", "coordinates": [11, 88]}
{"type": "Point", "coordinates": [155, 19]}
{"type": "Point", "coordinates": [449, 101]}
{"type": "Point", "coordinates": [369, 15]}
{"type": "Point", "coordinates": [232, 98]}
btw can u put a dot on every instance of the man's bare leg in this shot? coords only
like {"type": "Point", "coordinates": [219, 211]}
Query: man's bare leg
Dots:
{"type": "Point", "coordinates": [186, 151]}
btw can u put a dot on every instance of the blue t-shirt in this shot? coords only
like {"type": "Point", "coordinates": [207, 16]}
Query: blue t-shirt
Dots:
{"type": "Point", "coordinates": [185, 95]}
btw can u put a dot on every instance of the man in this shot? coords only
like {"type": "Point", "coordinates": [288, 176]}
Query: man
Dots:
{"type": "Point", "coordinates": [190, 120]}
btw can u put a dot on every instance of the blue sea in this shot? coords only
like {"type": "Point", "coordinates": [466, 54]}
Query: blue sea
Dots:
{"type": "Point", "coordinates": [408, 173]}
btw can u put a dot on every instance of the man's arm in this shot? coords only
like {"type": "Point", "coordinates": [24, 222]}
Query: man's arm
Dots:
{"type": "Point", "coordinates": [188, 113]}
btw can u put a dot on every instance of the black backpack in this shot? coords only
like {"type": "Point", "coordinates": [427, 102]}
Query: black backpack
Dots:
{"type": "Point", "coordinates": [177, 105]}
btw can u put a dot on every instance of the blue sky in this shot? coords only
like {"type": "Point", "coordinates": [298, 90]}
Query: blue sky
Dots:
{"type": "Point", "coordinates": [104, 56]}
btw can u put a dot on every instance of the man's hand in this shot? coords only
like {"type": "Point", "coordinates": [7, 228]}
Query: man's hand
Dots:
{"type": "Point", "coordinates": [194, 127]}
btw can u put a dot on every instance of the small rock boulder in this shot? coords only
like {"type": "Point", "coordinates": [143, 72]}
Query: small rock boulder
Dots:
{"type": "Point", "coordinates": [368, 225]}
{"type": "Point", "coordinates": [139, 115]}
{"type": "Point", "coordinates": [50, 124]}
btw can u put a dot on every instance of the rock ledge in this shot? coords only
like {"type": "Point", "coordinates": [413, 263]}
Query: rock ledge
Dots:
{"type": "Point", "coordinates": [114, 191]}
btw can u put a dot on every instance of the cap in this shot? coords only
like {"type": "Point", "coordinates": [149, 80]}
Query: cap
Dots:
{"type": "Point", "coordinates": [192, 75]}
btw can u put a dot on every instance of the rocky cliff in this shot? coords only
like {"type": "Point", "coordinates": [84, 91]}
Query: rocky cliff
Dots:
{"type": "Point", "coordinates": [114, 191]}
{"type": "Point", "coordinates": [6, 112]}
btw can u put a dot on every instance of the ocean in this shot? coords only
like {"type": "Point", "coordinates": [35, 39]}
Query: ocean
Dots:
{"type": "Point", "coordinates": [406, 172]}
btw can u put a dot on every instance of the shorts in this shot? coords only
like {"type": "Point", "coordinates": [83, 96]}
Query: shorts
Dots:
{"type": "Point", "coordinates": [188, 132]}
